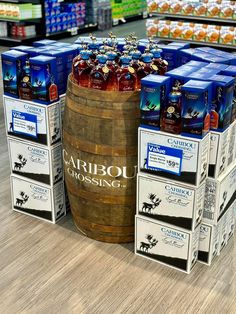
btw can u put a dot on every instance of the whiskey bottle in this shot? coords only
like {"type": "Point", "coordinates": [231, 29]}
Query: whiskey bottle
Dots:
{"type": "Point", "coordinates": [125, 75]}
{"type": "Point", "coordinates": [25, 88]}
{"type": "Point", "coordinates": [84, 69]}
{"type": "Point", "coordinates": [157, 60]}
{"type": "Point", "coordinates": [100, 74]}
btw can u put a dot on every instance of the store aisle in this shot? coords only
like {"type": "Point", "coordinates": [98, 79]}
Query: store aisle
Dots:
{"type": "Point", "coordinates": [48, 268]}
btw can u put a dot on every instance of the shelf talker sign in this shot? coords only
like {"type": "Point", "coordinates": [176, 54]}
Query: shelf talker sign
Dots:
{"type": "Point", "coordinates": [164, 158]}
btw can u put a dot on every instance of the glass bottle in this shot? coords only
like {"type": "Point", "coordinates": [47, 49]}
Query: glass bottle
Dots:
{"type": "Point", "coordinates": [147, 66]}
{"type": "Point", "coordinates": [125, 75]}
{"type": "Point", "coordinates": [84, 68]}
{"type": "Point", "coordinates": [159, 62]}
{"type": "Point", "coordinates": [135, 63]}
{"type": "Point", "coordinates": [25, 88]}
{"type": "Point", "coordinates": [171, 115]}
{"type": "Point", "coordinates": [100, 74]}
{"type": "Point", "coordinates": [113, 66]}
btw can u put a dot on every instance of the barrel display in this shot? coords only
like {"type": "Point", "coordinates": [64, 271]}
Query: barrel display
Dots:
{"type": "Point", "coordinates": [100, 161]}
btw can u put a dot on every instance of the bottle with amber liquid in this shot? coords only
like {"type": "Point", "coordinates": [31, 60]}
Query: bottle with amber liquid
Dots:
{"type": "Point", "coordinates": [112, 66]}
{"type": "Point", "coordinates": [100, 74]}
{"type": "Point", "coordinates": [161, 64]}
{"type": "Point", "coordinates": [125, 75]}
{"type": "Point", "coordinates": [171, 115]}
{"type": "Point", "coordinates": [147, 66]}
{"type": "Point", "coordinates": [84, 69]}
{"type": "Point", "coordinates": [25, 88]}
{"type": "Point", "coordinates": [135, 63]}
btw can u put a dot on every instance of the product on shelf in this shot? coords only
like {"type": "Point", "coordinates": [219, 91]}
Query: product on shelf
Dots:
{"type": "Point", "coordinates": [3, 29]}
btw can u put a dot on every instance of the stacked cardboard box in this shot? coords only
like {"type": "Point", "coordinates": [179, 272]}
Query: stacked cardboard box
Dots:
{"type": "Point", "coordinates": [35, 150]}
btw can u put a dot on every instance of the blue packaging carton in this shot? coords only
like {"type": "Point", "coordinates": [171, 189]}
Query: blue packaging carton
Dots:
{"type": "Point", "coordinates": [226, 55]}
{"type": "Point", "coordinates": [185, 55]}
{"type": "Point", "coordinates": [154, 91]}
{"type": "Point", "coordinates": [43, 42]}
{"type": "Point", "coordinates": [44, 79]}
{"type": "Point", "coordinates": [171, 55]}
{"type": "Point", "coordinates": [179, 76]}
{"type": "Point", "coordinates": [13, 63]}
{"type": "Point", "coordinates": [203, 74]}
{"type": "Point", "coordinates": [180, 44]}
{"type": "Point", "coordinates": [69, 54]}
{"type": "Point", "coordinates": [197, 64]}
{"type": "Point", "coordinates": [207, 57]}
{"type": "Point", "coordinates": [217, 66]}
{"type": "Point", "coordinates": [196, 107]}
{"type": "Point", "coordinates": [83, 40]}
{"type": "Point", "coordinates": [231, 71]}
{"type": "Point", "coordinates": [21, 48]}
{"type": "Point", "coordinates": [60, 44]}
{"type": "Point", "coordinates": [222, 103]}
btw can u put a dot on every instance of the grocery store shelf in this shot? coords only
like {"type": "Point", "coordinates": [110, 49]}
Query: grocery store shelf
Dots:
{"type": "Point", "coordinates": [72, 32]}
{"type": "Point", "coordinates": [204, 43]}
{"type": "Point", "coordinates": [191, 17]}
{"type": "Point", "coordinates": [36, 20]}
{"type": "Point", "coordinates": [21, 1]}
{"type": "Point", "coordinates": [11, 40]}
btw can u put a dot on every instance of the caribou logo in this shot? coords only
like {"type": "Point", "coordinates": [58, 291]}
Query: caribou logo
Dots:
{"type": "Point", "coordinates": [24, 199]}
{"type": "Point", "coordinates": [21, 163]}
{"type": "Point", "coordinates": [155, 202]}
{"type": "Point", "coordinates": [144, 246]}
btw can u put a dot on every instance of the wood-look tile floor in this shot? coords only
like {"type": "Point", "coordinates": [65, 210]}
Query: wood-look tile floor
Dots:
{"type": "Point", "coordinates": [48, 268]}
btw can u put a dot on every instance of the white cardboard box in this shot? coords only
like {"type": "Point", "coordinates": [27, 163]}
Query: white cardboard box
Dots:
{"type": "Point", "coordinates": [169, 201]}
{"type": "Point", "coordinates": [32, 121]}
{"type": "Point", "coordinates": [209, 242]}
{"type": "Point", "coordinates": [220, 194]}
{"type": "Point", "coordinates": [36, 162]}
{"type": "Point", "coordinates": [219, 147]}
{"type": "Point", "coordinates": [62, 101]}
{"type": "Point", "coordinates": [38, 200]}
{"type": "Point", "coordinates": [232, 144]}
{"type": "Point", "coordinates": [166, 244]}
{"type": "Point", "coordinates": [195, 156]}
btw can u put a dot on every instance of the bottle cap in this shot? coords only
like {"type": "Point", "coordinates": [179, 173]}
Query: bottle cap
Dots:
{"type": "Point", "coordinates": [125, 59]}
{"type": "Point", "coordinates": [102, 58]}
{"type": "Point", "coordinates": [136, 54]}
{"type": "Point", "coordinates": [156, 53]}
{"type": "Point", "coordinates": [147, 57]}
{"type": "Point", "coordinates": [111, 55]}
{"type": "Point", "coordinates": [85, 54]}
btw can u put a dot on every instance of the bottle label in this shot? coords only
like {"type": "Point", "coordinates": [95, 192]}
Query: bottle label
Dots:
{"type": "Point", "coordinates": [53, 92]}
{"type": "Point", "coordinates": [131, 70]}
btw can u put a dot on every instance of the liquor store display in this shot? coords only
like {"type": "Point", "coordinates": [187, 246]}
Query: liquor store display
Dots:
{"type": "Point", "coordinates": [177, 102]}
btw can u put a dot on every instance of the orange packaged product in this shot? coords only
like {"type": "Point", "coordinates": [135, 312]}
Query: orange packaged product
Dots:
{"type": "Point", "coordinates": [187, 31]}
{"type": "Point", "coordinates": [152, 27]}
{"type": "Point", "coordinates": [176, 29]}
{"type": "Point", "coordinates": [200, 32]}
{"type": "Point", "coordinates": [213, 33]}
{"type": "Point", "coordinates": [227, 34]}
{"type": "Point", "coordinates": [175, 7]}
{"type": "Point", "coordinates": [153, 6]}
{"type": "Point", "coordinates": [187, 8]}
{"type": "Point", "coordinates": [200, 9]}
{"type": "Point", "coordinates": [214, 8]}
{"type": "Point", "coordinates": [163, 6]}
{"type": "Point", "coordinates": [227, 10]}
{"type": "Point", "coordinates": [163, 29]}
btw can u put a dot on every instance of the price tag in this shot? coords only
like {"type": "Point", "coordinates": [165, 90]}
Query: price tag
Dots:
{"type": "Point", "coordinates": [73, 31]}
{"type": "Point", "coordinates": [24, 123]}
{"type": "Point", "coordinates": [164, 158]}
{"type": "Point", "coordinates": [145, 14]}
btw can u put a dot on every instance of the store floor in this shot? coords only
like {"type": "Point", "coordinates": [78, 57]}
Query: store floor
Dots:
{"type": "Point", "coordinates": [48, 268]}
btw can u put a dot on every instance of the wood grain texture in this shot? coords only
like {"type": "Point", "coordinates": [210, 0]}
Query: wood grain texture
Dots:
{"type": "Point", "coordinates": [51, 269]}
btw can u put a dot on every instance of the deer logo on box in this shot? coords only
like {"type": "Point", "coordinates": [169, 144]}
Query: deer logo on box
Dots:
{"type": "Point", "coordinates": [155, 202]}
{"type": "Point", "coordinates": [224, 199]}
{"type": "Point", "coordinates": [58, 173]}
{"type": "Point", "coordinates": [24, 199]}
{"type": "Point", "coordinates": [22, 162]}
{"type": "Point", "coordinates": [144, 246]}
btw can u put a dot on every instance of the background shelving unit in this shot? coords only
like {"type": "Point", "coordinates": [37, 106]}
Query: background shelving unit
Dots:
{"type": "Point", "coordinates": [198, 19]}
{"type": "Point", "coordinates": [39, 23]}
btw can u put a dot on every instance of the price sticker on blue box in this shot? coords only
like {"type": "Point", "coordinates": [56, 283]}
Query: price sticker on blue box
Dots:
{"type": "Point", "coordinates": [164, 158]}
{"type": "Point", "coordinates": [24, 123]}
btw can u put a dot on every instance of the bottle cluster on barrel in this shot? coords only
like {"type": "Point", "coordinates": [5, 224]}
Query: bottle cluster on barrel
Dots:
{"type": "Point", "coordinates": [114, 65]}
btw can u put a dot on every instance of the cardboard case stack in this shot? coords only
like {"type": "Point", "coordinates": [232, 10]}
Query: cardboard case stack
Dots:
{"type": "Point", "coordinates": [35, 150]}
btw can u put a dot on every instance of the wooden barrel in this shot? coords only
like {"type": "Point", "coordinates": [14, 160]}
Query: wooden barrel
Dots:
{"type": "Point", "coordinates": [100, 161]}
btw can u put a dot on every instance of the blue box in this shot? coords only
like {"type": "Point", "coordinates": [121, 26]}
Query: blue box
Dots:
{"type": "Point", "coordinates": [185, 55]}
{"type": "Point", "coordinates": [44, 79]}
{"type": "Point", "coordinates": [60, 45]}
{"type": "Point", "coordinates": [196, 108]}
{"type": "Point", "coordinates": [83, 40]}
{"type": "Point", "coordinates": [43, 42]}
{"type": "Point", "coordinates": [217, 66]}
{"type": "Point", "coordinates": [197, 64]}
{"type": "Point", "coordinates": [21, 48]}
{"type": "Point", "coordinates": [13, 63]}
{"type": "Point", "coordinates": [203, 74]}
{"type": "Point", "coordinates": [171, 55]}
{"type": "Point", "coordinates": [59, 58]}
{"type": "Point", "coordinates": [179, 76]}
{"type": "Point", "coordinates": [154, 92]}
{"type": "Point", "coordinates": [222, 104]}
{"type": "Point", "coordinates": [180, 44]}
{"type": "Point", "coordinates": [204, 56]}
{"type": "Point", "coordinates": [69, 53]}
{"type": "Point", "coordinates": [231, 71]}
{"type": "Point", "coordinates": [226, 55]}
